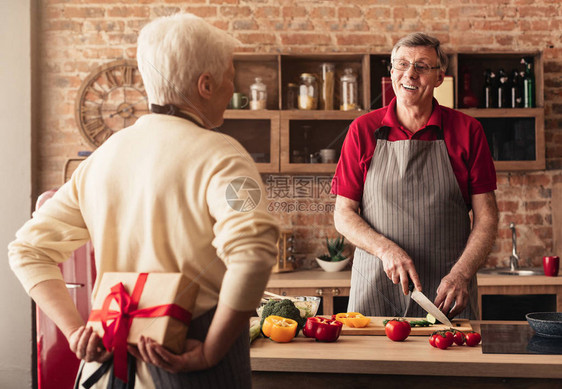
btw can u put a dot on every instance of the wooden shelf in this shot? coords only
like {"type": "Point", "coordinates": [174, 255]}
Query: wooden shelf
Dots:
{"type": "Point", "coordinates": [277, 70]}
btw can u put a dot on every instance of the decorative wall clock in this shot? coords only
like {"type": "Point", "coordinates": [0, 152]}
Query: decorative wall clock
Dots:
{"type": "Point", "coordinates": [111, 98]}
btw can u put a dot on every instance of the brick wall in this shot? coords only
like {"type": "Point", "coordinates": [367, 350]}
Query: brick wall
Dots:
{"type": "Point", "coordinates": [75, 36]}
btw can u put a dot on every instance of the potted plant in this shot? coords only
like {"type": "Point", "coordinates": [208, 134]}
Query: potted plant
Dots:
{"type": "Point", "coordinates": [335, 260]}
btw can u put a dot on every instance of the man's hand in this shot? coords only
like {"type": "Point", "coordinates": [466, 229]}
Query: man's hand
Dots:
{"type": "Point", "coordinates": [453, 290]}
{"type": "Point", "coordinates": [87, 345]}
{"type": "Point", "coordinates": [192, 359]}
{"type": "Point", "coordinates": [399, 267]}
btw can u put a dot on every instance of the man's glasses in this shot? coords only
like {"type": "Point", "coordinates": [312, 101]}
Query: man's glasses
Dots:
{"type": "Point", "coordinates": [420, 67]}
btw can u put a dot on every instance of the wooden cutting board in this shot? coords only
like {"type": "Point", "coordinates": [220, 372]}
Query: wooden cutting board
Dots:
{"type": "Point", "coordinates": [376, 327]}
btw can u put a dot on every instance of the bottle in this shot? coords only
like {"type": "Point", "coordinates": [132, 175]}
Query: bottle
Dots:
{"type": "Point", "coordinates": [292, 93]}
{"type": "Point", "coordinates": [348, 91]}
{"type": "Point", "coordinates": [488, 98]}
{"type": "Point", "coordinates": [503, 89]}
{"type": "Point", "coordinates": [327, 95]}
{"type": "Point", "coordinates": [258, 95]}
{"type": "Point", "coordinates": [515, 87]}
{"type": "Point", "coordinates": [528, 85]}
{"type": "Point", "coordinates": [468, 100]}
{"type": "Point", "coordinates": [308, 92]}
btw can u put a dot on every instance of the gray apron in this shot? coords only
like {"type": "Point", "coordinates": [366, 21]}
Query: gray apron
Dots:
{"type": "Point", "coordinates": [233, 371]}
{"type": "Point", "coordinates": [412, 197]}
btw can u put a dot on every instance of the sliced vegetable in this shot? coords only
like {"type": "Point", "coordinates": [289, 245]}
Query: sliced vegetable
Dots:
{"type": "Point", "coordinates": [322, 329]}
{"type": "Point", "coordinates": [430, 318]}
{"type": "Point", "coordinates": [397, 329]}
{"type": "Point", "coordinates": [420, 323]}
{"type": "Point", "coordinates": [352, 319]}
{"type": "Point", "coordinates": [279, 329]}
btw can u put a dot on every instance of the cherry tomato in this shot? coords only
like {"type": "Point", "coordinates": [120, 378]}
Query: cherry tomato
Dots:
{"type": "Point", "coordinates": [397, 329]}
{"type": "Point", "coordinates": [449, 335]}
{"type": "Point", "coordinates": [459, 338]}
{"type": "Point", "coordinates": [473, 338]}
{"type": "Point", "coordinates": [442, 341]}
{"type": "Point", "coordinates": [432, 339]}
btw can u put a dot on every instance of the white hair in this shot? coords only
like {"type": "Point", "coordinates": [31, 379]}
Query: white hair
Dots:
{"type": "Point", "coordinates": [173, 51]}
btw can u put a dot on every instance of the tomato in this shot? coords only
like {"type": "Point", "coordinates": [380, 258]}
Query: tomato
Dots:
{"type": "Point", "coordinates": [442, 341]}
{"type": "Point", "coordinates": [432, 339]}
{"type": "Point", "coordinates": [397, 329]}
{"type": "Point", "coordinates": [473, 338]}
{"type": "Point", "coordinates": [449, 335]}
{"type": "Point", "coordinates": [459, 338]}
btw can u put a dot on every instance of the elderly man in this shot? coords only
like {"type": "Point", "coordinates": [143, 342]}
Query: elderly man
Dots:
{"type": "Point", "coordinates": [153, 198]}
{"type": "Point", "coordinates": [408, 175]}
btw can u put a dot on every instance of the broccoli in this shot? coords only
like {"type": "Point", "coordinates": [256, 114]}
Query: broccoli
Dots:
{"type": "Point", "coordinates": [284, 308]}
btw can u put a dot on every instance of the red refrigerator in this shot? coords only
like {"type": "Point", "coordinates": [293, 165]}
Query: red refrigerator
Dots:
{"type": "Point", "coordinates": [56, 364]}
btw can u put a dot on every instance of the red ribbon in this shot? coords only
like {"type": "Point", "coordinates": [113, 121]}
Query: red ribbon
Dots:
{"type": "Point", "coordinates": [115, 334]}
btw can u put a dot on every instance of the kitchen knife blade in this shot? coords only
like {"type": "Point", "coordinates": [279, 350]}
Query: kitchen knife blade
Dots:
{"type": "Point", "coordinates": [429, 307]}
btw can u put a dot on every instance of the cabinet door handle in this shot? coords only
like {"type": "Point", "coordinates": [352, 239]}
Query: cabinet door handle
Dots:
{"type": "Point", "coordinates": [319, 292]}
{"type": "Point", "coordinates": [336, 291]}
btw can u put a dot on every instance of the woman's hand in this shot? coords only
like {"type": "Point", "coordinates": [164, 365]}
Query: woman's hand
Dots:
{"type": "Point", "coordinates": [87, 345]}
{"type": "Point", "coordinates": [192, 359]}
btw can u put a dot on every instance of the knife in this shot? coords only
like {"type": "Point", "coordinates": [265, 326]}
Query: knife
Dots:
{"type": "Point", "coordinates": [427, 305]}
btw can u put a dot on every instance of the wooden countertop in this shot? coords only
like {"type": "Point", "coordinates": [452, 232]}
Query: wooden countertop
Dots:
{"type": "Point", "coordinates": [494, 279]}
{"type": "Point", "coordinates": [380, 355]}
{"type": "Point", "coordinates": [321, 279]}
{"type": "Point", "coordinates": [317, 278]}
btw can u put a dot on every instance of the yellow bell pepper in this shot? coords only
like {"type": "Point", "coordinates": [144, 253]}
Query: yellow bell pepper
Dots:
{"type": "Point", "coordinates": [279, 329]}
{"type": "Point", "coordinates": [353, 319]}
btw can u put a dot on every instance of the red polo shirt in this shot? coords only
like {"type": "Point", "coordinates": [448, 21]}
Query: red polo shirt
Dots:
{"type": "Point", "coordinates": [464, 136]}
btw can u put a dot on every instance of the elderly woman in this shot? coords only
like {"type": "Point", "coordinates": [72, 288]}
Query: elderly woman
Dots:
{"type": "Point", "coordinates": [153, 198]}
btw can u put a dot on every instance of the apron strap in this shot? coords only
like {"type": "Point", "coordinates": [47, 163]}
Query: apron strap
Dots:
{"type": "Point", "coordinates": [382, 132]}
{"type": "Point", "coordinates": [172, 110]}
{"type": "Point", "coordinates": [439, 133]}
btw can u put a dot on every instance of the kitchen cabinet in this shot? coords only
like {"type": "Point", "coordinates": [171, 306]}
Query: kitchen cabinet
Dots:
{"type": "Point", "coordinates": [281, 139]}
{"type": "Point", "coordinates": [328, 286]}
{"type": "Point", "coordinates": [507, 292]}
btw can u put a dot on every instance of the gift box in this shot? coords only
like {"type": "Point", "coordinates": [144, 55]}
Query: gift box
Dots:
{"type": "Point", "coordinates": [154, 305]}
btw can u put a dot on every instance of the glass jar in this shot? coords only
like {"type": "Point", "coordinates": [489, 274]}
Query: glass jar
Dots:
{"type": "Point", "coordinates": [348, 91]}
{"type": "Point", "coordinates": [292, 93]}
{"type": "Point", "coordinates": [328, 78]}
{"type": "Point", "coordinates": [258, 95]}
{"type": "Point", "coordinates": [308, 92]}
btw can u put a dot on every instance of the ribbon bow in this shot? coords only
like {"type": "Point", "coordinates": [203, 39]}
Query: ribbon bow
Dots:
{"type": "Point", "coordinates": [115, 333]}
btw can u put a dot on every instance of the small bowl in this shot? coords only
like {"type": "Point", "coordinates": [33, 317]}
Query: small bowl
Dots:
{"type": "Point", "coordinates": [308, 305]}
{"type": "Point", "coordinates": [330, 266]}
{"type": "Point", "coordinates": [547, 324]}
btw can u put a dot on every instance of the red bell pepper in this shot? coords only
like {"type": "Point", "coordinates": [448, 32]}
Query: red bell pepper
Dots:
{"type": "Point", "coordinates": [322, 329]}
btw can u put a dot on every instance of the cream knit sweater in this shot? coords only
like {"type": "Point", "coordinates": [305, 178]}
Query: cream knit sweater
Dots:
{"type": "Point", "coordinates": [153, 198]}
